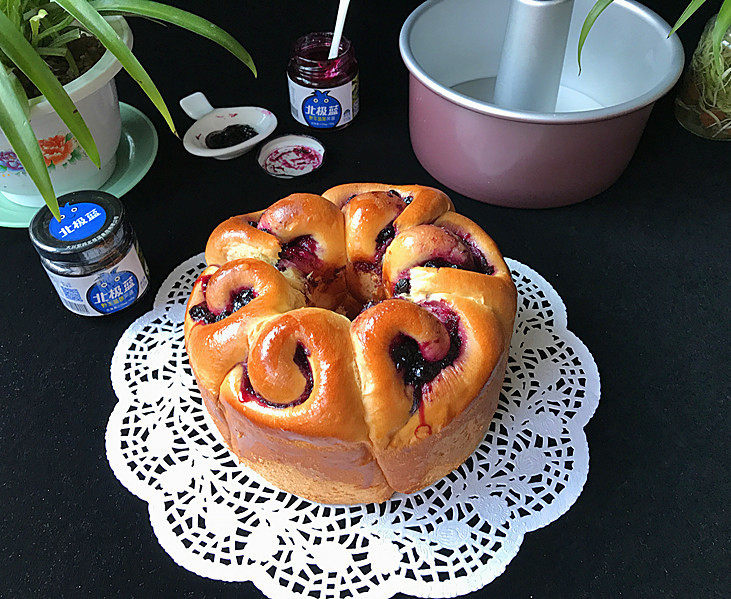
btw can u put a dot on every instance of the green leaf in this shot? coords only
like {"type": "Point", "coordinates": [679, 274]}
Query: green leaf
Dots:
{"type": "Point", "coordinates": [55, 29]}
{"type": "Point", "coordinates": [176, 16]}
{"type": "Point", "coordinates": [48, 51]}
{"type": "Point", "coordinates": [594, 13]}
{"type": "Point", "coordinates": [20, 93]}
{"type": "Point", "coordinates": [720, 27]}
{"type": "Point", "coordinates": [35, 24]}
{"type": "Point", "coordinates": [82, 11]}
{"type": "Point", "coordinates": [65, 38]}
{"type": "Point", "coordinates": [16, 126]}
{"type": "Point", "coordinates": [14, 11]}
{"type": "Point", "coordinates": [693, 6]}
{"type": "Point", "coordinates": [26, 58]}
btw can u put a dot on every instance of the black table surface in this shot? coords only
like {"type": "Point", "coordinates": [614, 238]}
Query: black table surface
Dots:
{"type": "Point", "coordinates": [642, 268]}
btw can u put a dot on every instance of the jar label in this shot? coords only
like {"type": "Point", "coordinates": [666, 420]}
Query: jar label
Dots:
{"type": "Point", "coordinates": [106, 291]}
{"type": "Point", "coordinates": [324, 108]}
{"type": "Point", "coordinates": [78, 221]}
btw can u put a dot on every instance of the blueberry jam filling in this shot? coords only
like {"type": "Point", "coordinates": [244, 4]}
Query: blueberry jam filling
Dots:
{"type": "Point", "coordinates": [368, 305]}
{"type": "Point", "coordinates": [395, 194]}
{"type": "Point", "coordinates": [440, 263]}
{"type": "Point", "coordinates": [248, 393]}
{"type": "Point", "coordinates": [479, 262]}
{"type": "Point", "coordinates": [242, 298]}
{"type": "Point", "coordinates": [386, 235]}
{"type": "Point", "coordinates": [363, 266]}
{"type": "Point", "coordinates": [204, 282]}
{"type": "Point", "coordinates": [475, 262]}
{"type": "Point", "coordinates": [300, 253]}
{"type": "Point", "coordinates": [416, 370]}
{"type": "Point", "coordinates": [472, 263]}
{"type": "Point", "coordinates": [239, 299]}
{"type": "Point", "coordinates": [402, 286]}
{"type": "Point", "coordinates": [383, 240]}
{"type": "Point", "coordinates": [201, 313]}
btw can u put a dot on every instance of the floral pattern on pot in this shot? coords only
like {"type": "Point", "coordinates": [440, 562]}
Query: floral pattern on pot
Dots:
{"type": "Point", "coordinates": [58, 150]}
{"type": "Point", "coordinates": [9, 162]}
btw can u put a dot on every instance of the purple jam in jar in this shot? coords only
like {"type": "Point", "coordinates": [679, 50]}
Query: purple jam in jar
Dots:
{"type": "Point", "coordinates": [323, 94]}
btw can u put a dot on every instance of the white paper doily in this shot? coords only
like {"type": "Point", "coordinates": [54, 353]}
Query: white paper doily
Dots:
{"type": "Point", "coordinates": [221, 520]}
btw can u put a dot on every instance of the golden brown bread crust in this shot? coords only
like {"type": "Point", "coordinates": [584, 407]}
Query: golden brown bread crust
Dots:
{"type": "Point", "coordinates": [238, 237]}
{"type": "Point", "coordinates": [373, 217]}
{"type": "Point", "coordinates": [332, 408]}
{"type": "Point", "coordinates": [416, 466]}
{"type": "Point", "coordinates": [496, 290]}
{"type": "Point", "coordinates": [366, 215]}
{"type": "Point", "coordinates": [316, 403]}
{"type": "Point", "coordinates": [268, 235]}
{"type": "Point", "coordinates": [324, 470]}
{"type": "Point", "coordinates": [386, 398]}
{"type": "Point", "coordinates": [340, 195]}
{"type": "Point", "coordinates": [214, 349]}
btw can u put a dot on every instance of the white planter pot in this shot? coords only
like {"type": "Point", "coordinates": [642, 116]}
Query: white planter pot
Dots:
{"type": "Point", "coordinates": [95, 96]}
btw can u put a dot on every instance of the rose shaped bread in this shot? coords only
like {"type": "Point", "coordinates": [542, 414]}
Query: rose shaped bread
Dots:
{"type": "Point", "coordinates": [353, 344]}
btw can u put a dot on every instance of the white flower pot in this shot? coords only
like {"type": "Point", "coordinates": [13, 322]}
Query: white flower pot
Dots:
{"type": "Point", "coordinates": [95, 96]}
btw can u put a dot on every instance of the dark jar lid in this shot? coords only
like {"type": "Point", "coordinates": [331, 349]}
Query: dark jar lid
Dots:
{"type": "Point", "coordinates": [93, 225]}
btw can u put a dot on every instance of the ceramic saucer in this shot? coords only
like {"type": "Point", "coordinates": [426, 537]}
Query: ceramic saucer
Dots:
{"type": "Point", "coordinates": [291, 156]}
{"type": "Point", "coordinates": [135, 155]}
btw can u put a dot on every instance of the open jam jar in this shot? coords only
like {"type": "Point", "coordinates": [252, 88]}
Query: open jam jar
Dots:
{"type": "Point", "coordinates": [323, 93]}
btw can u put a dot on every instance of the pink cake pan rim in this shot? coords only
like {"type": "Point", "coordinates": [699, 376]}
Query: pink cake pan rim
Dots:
{"type": "Point", "coordinates": [523, 159]}
{"type": "Point", "coordinates": [677, 59]}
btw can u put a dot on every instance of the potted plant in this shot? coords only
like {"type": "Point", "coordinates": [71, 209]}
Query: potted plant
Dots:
{"type": "Point", "coordinates": [66, 54]}
{"type": "Point", "coordinates": [703, 104]}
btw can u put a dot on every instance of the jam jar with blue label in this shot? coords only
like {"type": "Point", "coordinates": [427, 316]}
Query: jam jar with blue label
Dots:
{"type": "Point", "coordinates": [91, 254]}
{"type": "Point", "coordinates": [323, 92]}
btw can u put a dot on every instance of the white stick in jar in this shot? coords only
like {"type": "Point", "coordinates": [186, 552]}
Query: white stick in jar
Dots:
{"type": "Point", "coordinates": [339, 25]}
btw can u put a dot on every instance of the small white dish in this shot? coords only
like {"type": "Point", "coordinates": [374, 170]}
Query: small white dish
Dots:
{"type": "Point", "coordinates": [209, 119]}
{"type": "Point", "coordinates": [291, 156]}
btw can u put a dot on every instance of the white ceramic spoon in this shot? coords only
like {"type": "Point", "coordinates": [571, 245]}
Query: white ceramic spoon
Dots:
{"type": "Point", "coordinates": [339, 25]}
